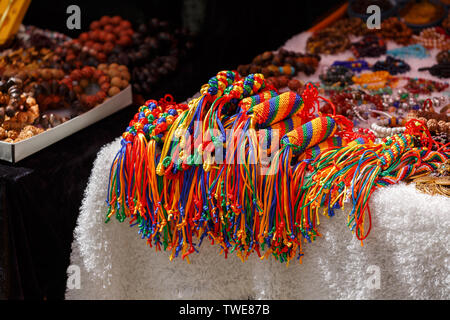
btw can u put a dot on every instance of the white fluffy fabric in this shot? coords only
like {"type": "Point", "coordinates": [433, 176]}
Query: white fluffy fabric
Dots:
{"type": "Point", "coordinates": [408, 248]}
{"type": "Point", "coordinates": [409, 245]}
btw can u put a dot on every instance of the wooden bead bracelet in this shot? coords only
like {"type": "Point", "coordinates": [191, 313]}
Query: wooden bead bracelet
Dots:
{"type": "Point", "coordinates": [53, 94]}
{"type": "Point", "coordinates": [80, 79]}
{"type": "Point", "coordinates": [433, 37]}
{"type": "Point", "coordinates": [396, 30]}
{"type": "Point", "coordinates": [369, 46]}
{"type": "Point", "coordinates": [281, 63]}
{"type": "Point", "coordinates": [354, 26]}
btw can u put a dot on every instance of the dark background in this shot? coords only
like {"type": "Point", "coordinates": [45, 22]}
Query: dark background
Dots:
{"type": "Point", "coordinates": [41, 195]}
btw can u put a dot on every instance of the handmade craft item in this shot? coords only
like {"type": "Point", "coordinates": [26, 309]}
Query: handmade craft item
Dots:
{"type": "Point", "coordinates": [327, 41]}
{"type": "Point", "coordinates": [392, 65]}
{"type": "Point", "coordinates": [372, 80]}
{"type": "Point", "coordinates": [281, 63]}
{"type": "Point", "coordinates": [245, 202]}
{"type": "Point", "coordinates": [446, 23]}
{"type": "Point", "coordinates": [413, 50]}
{"type": "Point", "coordinates": [388, 127]}
{"type": "Point", "coordinates": [347, 103]}
{"type": "Point", "coordinates": [436, 182]}
{"type": "Point", "coordinates": [443, 57]}
{"type": "Point", "coordinates": [338, 76]}
{"type": "Point", "coordinates": [354, 65]}
{"type": "Point", "coordinates": [433, 37]}
{"type": "Point", "coordinates": [396, 30]}
{"type": "Point", "coordinates": [80, 79]}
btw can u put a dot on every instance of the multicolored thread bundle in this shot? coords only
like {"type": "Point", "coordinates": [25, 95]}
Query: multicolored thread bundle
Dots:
{"type": "Point", "coordinates": [212, 169]}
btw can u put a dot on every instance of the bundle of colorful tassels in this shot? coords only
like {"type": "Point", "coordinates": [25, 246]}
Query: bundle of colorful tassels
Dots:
{"type": "Point", "coordinates": [249, 169]}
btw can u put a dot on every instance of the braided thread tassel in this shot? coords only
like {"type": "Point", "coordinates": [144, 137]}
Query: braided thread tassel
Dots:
{"type": "Point", "coordinates": [173, 158]}
{"type": "Point", "coordinates": [239, 205]}
{"type": "Point", "coordinates": [245, 147]}
{"type": "Point", "coordinates": [127, 184]}
{"type": "Point", "coordinates": [239, 90]}
{"type": "Point", "coordinates": [278, 228]}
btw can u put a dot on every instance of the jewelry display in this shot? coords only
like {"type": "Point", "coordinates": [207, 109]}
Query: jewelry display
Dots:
{"type": "Point", "coordinates": [354, 65]}
{"type": "Point", "coordinates": [443, 57]}
{"type": "Point", "coordinates": [424, 86]}
{"type": "Point", "coordinates": [337, 76]}
{"type": "Point", "coordinates": [283, 62]}
{"type": "Point", "coordinates": [327, 41]}
{"type": "Point", "coordinates": [387, 127]}
{"type": "Point", "coordinates": [413, 50]}
{"type": "Point", "coordinates": [350, 26]}
{"type": "Point", "coordinates": [436, 182]}
{"type": "Point", "coordinates": [433, 37]}
{"type": "Point", "coordinates": [396, 30]}
{"type": "Point", "coordinates": [440, 70]}
{"type": "Point", "coordinates": [372, 80]}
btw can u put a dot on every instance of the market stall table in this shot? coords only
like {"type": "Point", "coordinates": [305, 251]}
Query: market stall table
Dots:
{"type": "Point", "coordinates": [408, 245]}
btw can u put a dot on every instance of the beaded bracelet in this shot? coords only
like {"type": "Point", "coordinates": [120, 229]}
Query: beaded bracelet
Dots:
{"type": "Point", "coordinates": [392, 65]}
{"type": "Point", "coordinates": [443, 56]}
{"type": "Point", "coordinates": [17, 108]}
{"type": "Point", "coordinates": [372, 80]}
{"type": "Point", "coordinates": [400, 101]}
{"type": "Point", "coordinates": [424, 86]}
{"type": "Point", "coordinates": [434, 37]}
{"type": "Point", "coordinates": [327, 41]}
{"type": "Point", "coordinates": [436, 126]}
{"type": "Point", "coordinates": [355, 65]}
{"type": "Point", "coordinates": [413, 50]}
{"type": "Point", "coordinates": [388, 127]}
{"type": "Point", "coordinates": [354, 26]}
{"type": "Point", "coordinates": [337, 76]}
{"type": "Point", "coordinates": [55, 95]}
{"type": "Point", "coordinates": [80, 79]}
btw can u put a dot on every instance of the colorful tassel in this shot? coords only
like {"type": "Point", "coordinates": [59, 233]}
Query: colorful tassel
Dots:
{"type": "Point", "coordinates": [247, 203]}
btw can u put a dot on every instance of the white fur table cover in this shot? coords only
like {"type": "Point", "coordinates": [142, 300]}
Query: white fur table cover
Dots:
{"type": "Point", "coordinates": [409, 245]}
{"type": "Point", "coordinates": [407, 250]}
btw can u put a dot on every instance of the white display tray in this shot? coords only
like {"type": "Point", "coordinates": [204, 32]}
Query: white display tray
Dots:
{"type": "Point", "coordinates": [14, 152]}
